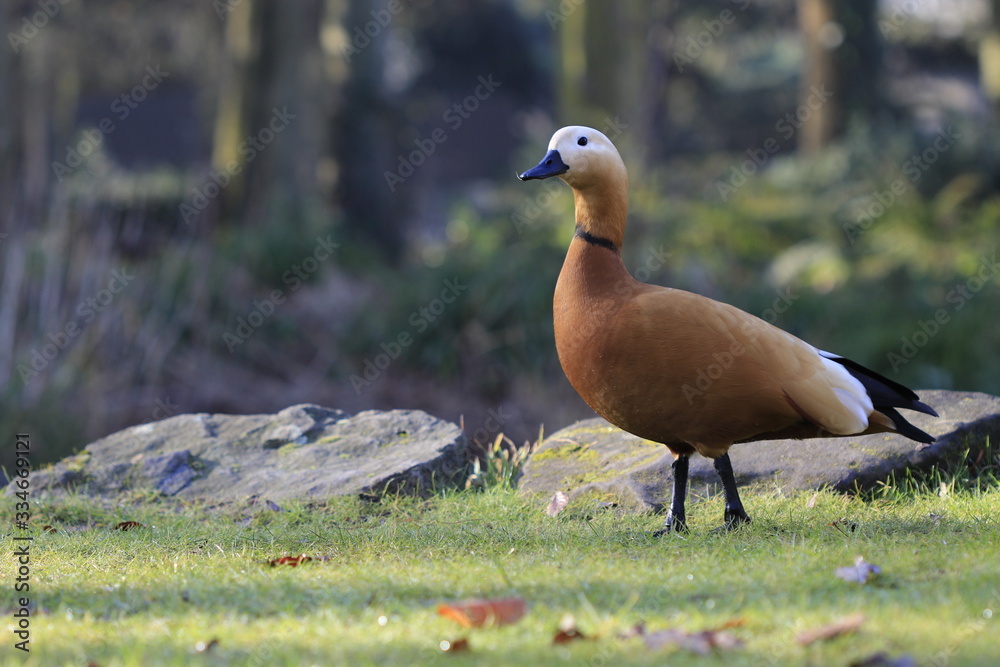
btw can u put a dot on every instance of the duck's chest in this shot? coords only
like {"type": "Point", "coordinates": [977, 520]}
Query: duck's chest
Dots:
{"type": "Point", "coordinates": [589, 312]}
{"type": "Point", "coordinates": [589, 294]}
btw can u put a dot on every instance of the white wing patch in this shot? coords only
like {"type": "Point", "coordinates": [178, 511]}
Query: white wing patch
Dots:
{"type": "Point", "coordinates": [850, 392]}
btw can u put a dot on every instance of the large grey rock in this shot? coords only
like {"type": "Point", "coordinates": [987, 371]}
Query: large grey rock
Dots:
{"type": "Point", "coordinates": [592, 457]}
{"type": "Point", "coordinates": [304, 451]}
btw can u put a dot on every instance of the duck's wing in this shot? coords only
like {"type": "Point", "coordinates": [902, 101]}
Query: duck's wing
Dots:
{"type": "Point", "coordinates": [771, 372]}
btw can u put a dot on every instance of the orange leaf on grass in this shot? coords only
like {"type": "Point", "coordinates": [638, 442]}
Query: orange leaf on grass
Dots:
{"type": "Point", "coordinates": [128, 525]}
{"type": "Point", "coordinates": [842, 626]}
{"type": "Point", "coordinates": [290, 561]}
{"type": "Point", "coordinates": [488, 613]}
{"type": "Point", "coordinates": [566, 636]}
{"type": "Point", "coordinates": [49, 529]}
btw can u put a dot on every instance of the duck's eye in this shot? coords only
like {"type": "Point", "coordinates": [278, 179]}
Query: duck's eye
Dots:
{"type": "Point", "coordinates": [582, 141]}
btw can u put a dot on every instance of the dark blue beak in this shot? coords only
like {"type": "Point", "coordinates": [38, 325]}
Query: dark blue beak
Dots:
{"type": "Point", "coordinates": [551, 165]}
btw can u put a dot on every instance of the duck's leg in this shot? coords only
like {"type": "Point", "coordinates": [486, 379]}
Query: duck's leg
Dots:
{"type": "Point", "coordinates": [735, 514]}
{"type": "Point", "coordinates": [676, 519]}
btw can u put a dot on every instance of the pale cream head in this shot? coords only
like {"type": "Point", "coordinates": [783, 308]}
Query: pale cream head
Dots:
{"type": "Point", "coordinates": [589, 154]}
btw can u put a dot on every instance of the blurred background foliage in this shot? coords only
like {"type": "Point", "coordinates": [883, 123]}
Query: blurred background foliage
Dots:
{"type": "Point", "coordinates": [831, 165]}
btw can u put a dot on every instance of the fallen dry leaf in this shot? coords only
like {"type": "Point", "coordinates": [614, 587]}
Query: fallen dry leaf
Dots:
{"type": "Point", "coordinates": [488, 613]}
{"type": "Point", "coordinates": [859, 572]}
{"type": "Point", "coordinates": [290, 561]}
{"type": "Point", "coordinates": [812, 501]}
{"type": "Point", "coordinates": [843, 626]}
{"type": "Point", "coordinates": [49, 529]}
{"type": "Point", "coordinates": [566, 636]}
{"type": "Point", "coordinates": [128, 525]}
{"type": "Point", "coordinates": [701, 643]}
{"type": "Point", "coordinates": [557, 504]}
{"type": "Point", "coordinates": [273, 506]}
{"type": "Point", "coordinates": [456, 646]}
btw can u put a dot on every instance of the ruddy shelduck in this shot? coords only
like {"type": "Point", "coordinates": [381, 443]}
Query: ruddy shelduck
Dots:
{"type": "Point", "coordinates": [681, 369]}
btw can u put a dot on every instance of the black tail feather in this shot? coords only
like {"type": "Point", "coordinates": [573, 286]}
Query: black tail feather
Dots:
{"type": "Point", "coordinates": [926, 409]}
{"type": "Point", "coordinates": [887, 395]}
{"type": "Point", "coordinates": [904, 427]}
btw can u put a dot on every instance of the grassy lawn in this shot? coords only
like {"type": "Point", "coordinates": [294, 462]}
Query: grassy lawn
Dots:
{"type": "Point", "coordinates": [193, 574]}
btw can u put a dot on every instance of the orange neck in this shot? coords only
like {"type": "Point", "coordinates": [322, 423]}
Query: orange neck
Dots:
{"type": "Point", "coordinates": [601, 210]}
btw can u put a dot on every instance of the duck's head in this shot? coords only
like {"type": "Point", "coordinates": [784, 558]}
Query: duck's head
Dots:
{"type": "Point", "coordinates": [581, 156]}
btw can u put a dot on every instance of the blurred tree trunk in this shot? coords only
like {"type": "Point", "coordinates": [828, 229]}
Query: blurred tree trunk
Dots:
{"type": "Point", "coordinates": [236, 81]}
{"type": "Point", "coordinates": [571, 71]}
{"type": "Point", "coordinates": [815, 17]}
{"type": "Point", "coordinates": [10, 159]}
{"type": "Point", "coordinates": [283, 173]}
{"type": "Point", "coordinates": [260, 125]}
{"type": "Point", "coordinates": [858, 61]}
{"type": "Point", "coordinates": [602, 48]}
{"type": "Point", "coordinates": [842, 68]}
{"type": "Point", "coordinates": [615, 64]}
{"type": "Point", "coordinates": [654, 46]}
{"type": "Point", "coordinates": [989, 58]}
{"type": "Point", "coordinates": [9, 148]}
{"type": "Point", "coordinates": [36, 105]}
{"type": "Point", "coordinates": [364, 144]}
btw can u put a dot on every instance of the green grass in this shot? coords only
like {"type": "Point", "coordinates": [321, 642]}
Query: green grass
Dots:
{"type": "Point", "coordinates": [194, 573]}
